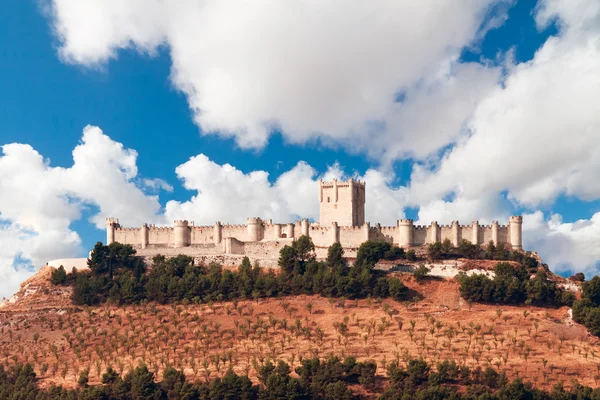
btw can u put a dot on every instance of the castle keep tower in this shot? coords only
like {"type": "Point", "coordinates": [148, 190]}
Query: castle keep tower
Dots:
{"type": "Point", "coordinates": [342, 202]}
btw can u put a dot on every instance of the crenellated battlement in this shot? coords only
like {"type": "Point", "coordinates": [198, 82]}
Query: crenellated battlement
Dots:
{"type": "Point", "coordinates": [121, 229]}
{"type": "Point", "coordinates": [342, 220]}
{"type": "Point", "coordinates": [335, 182]}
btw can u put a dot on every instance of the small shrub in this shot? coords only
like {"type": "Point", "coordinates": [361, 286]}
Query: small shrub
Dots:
{"type": "Point", "coordinates": [421, 273]}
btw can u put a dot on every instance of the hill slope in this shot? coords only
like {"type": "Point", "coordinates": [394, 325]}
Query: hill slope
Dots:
{"type": "Point", "coordinates": [41, 326]}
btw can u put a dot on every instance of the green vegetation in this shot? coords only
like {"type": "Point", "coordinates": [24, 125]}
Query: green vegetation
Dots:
{"type": "Point", "coordinates": [117, 276]}
{"type": "Point", "coordinates": [466, 249]}
{"type": "Point", "coordinates": [323, 379]}
{"type": "Point", "coordinates": [587, 310]}
{"type": "Point", "coordinates": [371, 252]}
{"type": "Point", "coordinates": [513, 285]}
{"type": "Point", "coordinates": [59, 276]}
{"type": "Point", "coordinates": [421, 273]}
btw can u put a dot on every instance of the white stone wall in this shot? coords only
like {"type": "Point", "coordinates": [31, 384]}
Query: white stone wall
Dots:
{"type": "Point", "coordinates": [341, 202]}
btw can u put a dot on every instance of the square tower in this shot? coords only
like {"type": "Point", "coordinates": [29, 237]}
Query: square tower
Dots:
{"type": "Point", "coordinates": [342, 202]}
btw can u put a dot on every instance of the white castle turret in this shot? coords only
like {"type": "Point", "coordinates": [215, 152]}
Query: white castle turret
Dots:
{"type": "Point", "coordinates": [111, 225]}
{"type": "Point", "coordinates": [255, 229]}
{"type": "Point", "coordinates": [181, 233]}
{"type": "Point", "coordinates": [515, 224]}
{"type": "Point", "coordinates": [405, 232]}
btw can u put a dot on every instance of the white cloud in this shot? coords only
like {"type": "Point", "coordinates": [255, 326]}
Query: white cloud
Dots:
{"type": "Point", "coordinates": [226, 194]}
{"type": "Point", "coordinates": [311, 69]}
{"type": "Point", "coordinates": [157, 184]}
{"type": "Point", "coordinates": [485, 209]}
{"type": "Point", "coordinates": [564, 246]}
{"type": "Point", "coordinates": [539, 136]}
{"type": "Point", "coordinates": [39, 202]}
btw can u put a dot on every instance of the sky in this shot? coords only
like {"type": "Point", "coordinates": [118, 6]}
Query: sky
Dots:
{"type": "Point", "coordinates": [218, 110]}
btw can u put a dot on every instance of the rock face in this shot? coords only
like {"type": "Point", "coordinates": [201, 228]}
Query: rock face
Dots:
{"type": "Point", "coordinates": [38, 293]}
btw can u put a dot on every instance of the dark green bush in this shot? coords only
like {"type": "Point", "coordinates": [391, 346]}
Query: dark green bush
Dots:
{"type": "Point", "coordinates": [513, 285]}
{"type": "Point", "coordinates": [178, 279]}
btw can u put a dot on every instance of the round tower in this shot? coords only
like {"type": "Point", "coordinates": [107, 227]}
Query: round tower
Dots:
{"type": "Point", "coordinates": [515, 224]}
{"type": "Point", "coordinates": [289, 230]}
{"type": "Point", "coordinates": [405, 232]}
{"type": "Point", "coordinates": [181, 233]}
{"type": "Point", "coordinates": [434, 232]}
{"type": "Point", "coordinates": [335, 233]}
{"type": "Point", "coordinates": [455, 233]}
{"type": "Point", "coordinates": [254, 229]}
{"type": "Point", "coordinates": [475, 238]}
{"type": "Point", "coordinates": [217, 233]}
{"type": "Point", "coordinates": [495, 232]}
{"type": "Point", "coordinates": [111, 225]}
{"type": "Point", "coordinates": [304, 224]}
{"type": "Point", "coordinates": [144, 238]}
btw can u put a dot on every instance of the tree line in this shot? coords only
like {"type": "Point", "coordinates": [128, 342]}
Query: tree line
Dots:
{"type": "Point", "coordinates": [118, 276]}
{"type": "Point", "coordinates": [513, 284]}
{"type": "Point", "coordinates": [587, 310]}
{"type": "Point", "coordinates": [332, 378]}
{"type": "Point", "coordinates": [466, 249]}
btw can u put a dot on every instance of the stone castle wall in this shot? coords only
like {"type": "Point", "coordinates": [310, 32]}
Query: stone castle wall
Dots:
{"type": "Point", "coordinates": [342, 221]}
{"type": "Point", "coordinates": [263, 239]}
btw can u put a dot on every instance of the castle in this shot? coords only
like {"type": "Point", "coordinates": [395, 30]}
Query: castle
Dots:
{"type": "Point", "coordinates": [342, 220]}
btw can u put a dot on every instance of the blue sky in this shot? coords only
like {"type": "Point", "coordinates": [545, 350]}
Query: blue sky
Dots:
{"type": "Point", "coordinates": [67, 66]}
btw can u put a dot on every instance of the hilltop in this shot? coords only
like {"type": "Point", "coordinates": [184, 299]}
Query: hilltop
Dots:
{"type": "Point", "coordinates": [543, 345]}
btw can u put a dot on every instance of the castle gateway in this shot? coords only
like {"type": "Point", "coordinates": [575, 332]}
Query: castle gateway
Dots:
{"type": "Point", "coordinates": [342, 220]}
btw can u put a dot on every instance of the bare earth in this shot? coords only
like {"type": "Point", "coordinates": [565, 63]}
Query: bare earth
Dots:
{"type": "Point", "coordinates": [541, 345]}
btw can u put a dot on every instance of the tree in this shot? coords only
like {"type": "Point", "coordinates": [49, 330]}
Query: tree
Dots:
{"type": "Point", "coordinates": [305, 249]}
{"type": "Point", "coordinates": [421, 273]}
{"type": "Point", "coordinates": [59, 276]}
{"type": "Point", "coordinates": [447, 246]}
{"type": "Point", "coordinates": [468, 249]}
{"type": "Point", "coordinates": [578, 277]}
{"type": "Point", "coordinates": [396, 288]}
{"type": "Point", "coordinates": [490, 250]}
{"type": "Point", "coordinates": [434, 250]}
{"type": "Point", "coordinates": [287, 259]}
{"type": "Point", "coordinates": [591, 290]}
{"type": "Point", "coordinates": [335, 257]}
{"type": "Point", "coordinates": [110, 376]}
{"type": "Point", "coordinates": [83, 378]}
{"type": "Point", "coordinates": [411, 255]}
{"type": "Point", "coordinates": [142, 383]}
{"type": "Point", "coordinates": [370, 252]}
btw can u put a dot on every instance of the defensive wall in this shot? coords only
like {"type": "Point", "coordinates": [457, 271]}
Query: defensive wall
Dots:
{"type": "Point", "coordinates": [263, 238]}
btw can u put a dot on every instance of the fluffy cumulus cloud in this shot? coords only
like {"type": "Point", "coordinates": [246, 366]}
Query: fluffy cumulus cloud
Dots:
{"type": "Point", "coordinates": [567, 247]}
{"type": "Point", "coordinates": [537, 136]}
{"type": "Point", "coordinates": [224, 193]}
{"type": "Point", "coordinates": [484, 209]}
{"type": "Point", "coordinates": [310, 69]}
{"type": "Point", "coordinates": [39, 202]}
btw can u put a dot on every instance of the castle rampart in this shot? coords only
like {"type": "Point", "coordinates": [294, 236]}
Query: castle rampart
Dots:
{"type": "Point", "coordinates": [405, 233]}
{"type": "Point", "coordinates": [342, 221]}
